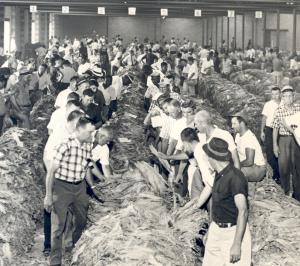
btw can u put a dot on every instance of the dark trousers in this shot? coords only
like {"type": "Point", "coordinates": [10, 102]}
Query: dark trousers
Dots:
{"type": "Point", "coordinates": [1, 123]}
{"type": "Point", "coordinates": [272, 160]}
{"type": "Point", "coordinates": [47, 228]}
{"type": "Point", "coordinates": [296, 173]}
{"type": "Point", "coordinates": [65, 195]}
{"type": "Point", "coordinates": [286, 161]}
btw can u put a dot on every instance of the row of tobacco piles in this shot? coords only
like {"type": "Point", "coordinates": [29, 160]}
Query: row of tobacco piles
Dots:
{"type": "Point", "coordinates": [137, 224]}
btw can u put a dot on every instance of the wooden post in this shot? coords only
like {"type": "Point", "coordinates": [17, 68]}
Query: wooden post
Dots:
{"type": "Point", "coordinates": [264, 29]}
{"type": "Point", "coordinates": [294, 29]}
{"type": "Point", "coordinates": [228, 41]}
{"type": "Point", "coordinates": [243, 32]}
{"type": "Point", "coordinates": [207, 31]}
{"type": "Point", "coordinates": [253, 25]}
{"type": "Point", "coordinates": [216, 48]}
{"type": "Point", "coordinates": [278, 30]}
{"type": "Point", "coordinates": [235, 18]}
{"type": "Point", "coordinates": [203, 32]}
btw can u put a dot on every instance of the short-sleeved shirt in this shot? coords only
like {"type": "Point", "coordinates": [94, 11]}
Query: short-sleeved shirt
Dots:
{"type": "Point", "coordinates": [151, 91]}
{"type": "Point", "coordinates": [58, 119]}
{"type": "Point", "coordinates": [206, 64]}
{"type": "Point", "coordinates": [203, 53]}
{"type": "Point", "coordinates": [166, 129]}
{"type": "Point", "coordinates": [193, 69]}
{"type": "Point", "coordinates": [21, 95]}
{"type": "Point", "coordinates": [226, 66]}
{"type": "Point", "coordinates": [108, 93]}
{"type": "Point", "coordinates": [249, 140]}
{"type": "Point", "coordinates": [62, 98]}
{"type": "Point", "coordinates": [117, 83]}
{"type": "Point", "coordinates": [294, 120]}
{"type": "Point", "coordinates": [269, 110]}
{"type": "Point", "coordinates": [228, 183]}
{"type": "Point", "coordinates": [92, 112]}
{"type": "Point", "coordinates": [280, 113]}
{"type": "Point", "coordinates": [68, 73]}
{"type": "Point", "coordinates": [73, 159]}
{"type": "Point", "coordinates": [278, 65]}
{"type": "Point", "coordinates": [294, 64]}
{"type": "Point", "coordinates": [207, 172]}
{"type": "Point", "coordinates": [130, 60]}
{"type": "Point", "coordinates": [101, 154]}
{"type": "Point", "coordinates": [178, 126]}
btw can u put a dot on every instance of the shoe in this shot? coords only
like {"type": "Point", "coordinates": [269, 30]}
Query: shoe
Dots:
{"type": "Point", "coordinates": [47, 250]}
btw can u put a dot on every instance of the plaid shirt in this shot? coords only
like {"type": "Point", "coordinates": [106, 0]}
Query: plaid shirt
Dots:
{"type": "Point", "coordinates": [280, 113]}
{"type": "Point", "coordinates": [72, 159]}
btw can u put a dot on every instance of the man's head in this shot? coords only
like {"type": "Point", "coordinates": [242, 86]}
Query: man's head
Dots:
{"type": "Point", "coordinates": [42, 69]}
{"type": "Point", "coordinates": [73, 83]}
{"type": "Point", "coordinates": [84, 129]}
{"type": "Point", "coordinates": [88, 97]}
{"type": "Point", "coordinates": [188, 136]}
{"type": "Point", "coordinates": [174, 109]}
{"type": "Point", "coordinates": [58, 61]}
{"type": "Point", "coordinates": [188, 108]}
{"type": "Point", "coordinates": [190, 60]}
{"type": "Point", "coordinates": [183, 62]}
{"type": "Point", "coordinates": [287, 95]}
{"type": "Point", "coordinates": [94, 85]}
{"type": "Point", "coordinates": [24, 76]}
{"type": "Point", "coordinates": [71, 106]}
{"type": "Point", "coordinates": [155, 78]}
{"type": "Point", "coordinates": [203, 120]}
{"type": "Point", "coordinates": [108, 81]}
{"type": "Point", "coordinates": [104, 135]}
{"type": "Point", "coordinates": [276, 94]}
{"type": "Point", "coordinates": [126, 80]}
{"type": "Point", "coordinates": [171, 79]}
{"type": "Point", "coordinates": [164, 67]}
{"type": "Point", "coordinates": [81, 59]}
{"type": "Point", "coordinates": [82, 84]}
{"type": "Point", "coordinates": [239, 122]}
{"type": "Point", "coordinates": [165, 104]}
{"type": "Point", "coordinates": [74, 116]}
{"type": "Point", "coordinates": [73, 96]}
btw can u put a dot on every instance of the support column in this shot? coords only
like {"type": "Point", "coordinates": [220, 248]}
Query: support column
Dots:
{"type": "Point", "coordinates": [207, 31]}
{"type": "Point", "coordinates": [243, 32]}
{"type": "Point", "coordinates": [253, 28]}
{"type": "Point", "coordinates": [216, 48]}
{"type": "Point", "coordinates": [34, 27]}
{"type": "Point", "coordinates": [235, 18]}
{"type": "Point", "coordinates": [228, 41]}
{"type": "Point", "coordinates": [203, 32]}
{"type": "Point", "coordinates": [1, 25]}
{"type": "Point", "coordinates": [23, 31]}
{"type": "Point", "coordinates": [278, 30]}
{"type": "Point", "coordinates": [211, 30]}
{"type": "Point", "coordinates": [7, 28]}
{"type": "Point", "coordinates": [222, 25]}
{"type": "Point", "coordinates": [107, 27]}
{"type": "Point", "coordinates": [264, 29]}
{"type": "Point", "coordinates": [294, 29]}
{"type": "Point", "coordinates": [157, 36]}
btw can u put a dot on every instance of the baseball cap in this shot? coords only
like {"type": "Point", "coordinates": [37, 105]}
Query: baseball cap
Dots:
{"type": "Point", "coordinates": [80, 80]}
{"type": "Point", "coordinates": [242, 115]}
{"type": "Point", "coordinates": [287, 88]}
{"type": "Point", "coordinates": [164, 81]}
{"type": "Point", "coordinates": [155, 74]}
{"type": "Point", "coordinates": [23, 71]}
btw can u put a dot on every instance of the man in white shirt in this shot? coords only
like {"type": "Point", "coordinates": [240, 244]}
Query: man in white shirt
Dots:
{"type": "Point", "coordinates": [192, 79]}
{"type": "Point", "coordinates": [68, 72]}
{"type": "Point", "coordinates": [207, 65]}
{"type": "Point", "coordinates": [130, 60]}
{"type": "Point", "coordinates": [266, 134]}
{"type": "Point", "coordinates": [100, 152]}
{"type": "Point", "coordinates": [62, 97]}
{"type": "Point", "coordinates": [203, 54]}
{"type": "Point", "coordinates": [59, 117]}
{"type": "Point", "coordinates": [250, 153]}
{"type": "Point", "coordinates": [294, 66]}
{"type": "Point", "coordinates": [83, 65]}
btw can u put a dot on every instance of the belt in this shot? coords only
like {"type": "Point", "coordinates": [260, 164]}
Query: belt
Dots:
{"type": "Point", "coordinates": [71, 183]}
{"type": "Point", "coordinates": [28, 105]}
{"type": "Point", "coordinates": [225, 225]}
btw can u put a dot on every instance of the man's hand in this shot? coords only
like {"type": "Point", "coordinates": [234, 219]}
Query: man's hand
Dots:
{"type": "Point", "coordinates": [155, 112]}
{"type": "Point", "coordinates": [179, 178]}
{"type": "Point", "coordinates": [276, 151]}
{"type": "Point", "coordinates": [162, 155]}
{"type": "Point", "coordinates": [263, 136]}
{"type": "Point", "coordinates": [235, 253]}
{"type": "Point", "coordinates": [48, 202]}
{"type": "Point", "coordinates": [98, 195]}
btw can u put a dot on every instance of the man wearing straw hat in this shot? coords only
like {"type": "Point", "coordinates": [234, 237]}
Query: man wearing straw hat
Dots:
{"type": "Point", "coordinates": [229, 239]}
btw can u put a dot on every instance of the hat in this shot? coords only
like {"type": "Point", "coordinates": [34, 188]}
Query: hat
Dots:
{"type": "Point", "coordinates": [98, 72]}
{"type": "Point", "coordinates": [164, 81]}
{"type": "Point", "coordinates": [89, 72]}
{"type": "Point", "coordinates": [287, 88]}
{"type": "Point", "coordinates": [66, 62]}
{"type": "Point", "coordinates": [23, 71]}
{"type": "Point", "coordinates": [89, 41]}
{"type": "Point", "coordinates": [4, 71]}
{"type": "Point", "coordinates": [155, 74]}
{"type": "Point", "coordinates": [217, 149]}
{"type": "Point", "coordinates": [80, 80]}
{"type": "Point", "coordinates": [242, 115]}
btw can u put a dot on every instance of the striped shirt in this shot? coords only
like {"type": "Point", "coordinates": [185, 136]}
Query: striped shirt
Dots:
{"type": "Point", "coordinates": [280, 113]}
{"type": "Point", "coordinates": [72, 159]}
{"type": "Point", "coordinates": [167, 127]}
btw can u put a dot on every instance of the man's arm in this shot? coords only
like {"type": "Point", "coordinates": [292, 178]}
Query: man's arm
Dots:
{"type": "Point", "coordinates": [262, 128]}
{"type": "Point", "coordinates": [48, 201]}
{"type": "Point", "coordinates": [172, 146]}
{"type": "Point", "coordinates": [250, 154]}
{"type": "Point", "coordinates": [178, 157]}
{"type": "Point", "coordinates": [96, 172]}
{"type": "Point", "coordinates": [164, 145]}
{"type": "Point", "coordinates": [179, 176]}
{"type": "Point", "coordinates": [275, 145]}
{"type": "Point", "coordinates": [236, 159]}
{"type": "Point", "coordinates": [89, 179]}
{"type": "Point", "coordinates": [97, 125]}
{"type": "Point", "coordinates": [241, 204]}
{"type": "Point", "coordinates": [107, 170]}
{"type": "Point", "coordinates": [206, 192]}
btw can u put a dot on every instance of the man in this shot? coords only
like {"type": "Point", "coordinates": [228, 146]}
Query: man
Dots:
{"type": "Point", "coordinates": [229, 239]}
{"type": "Point", "coordinates": [59, 116]}
{"type": "Point", "coordinates": [90, 109]}
{"type": "Point", "coordinates": [152, 89]}
{"type": "Point", "coordinates": [185, 70]}
{"type": "Point", "coordinates": [130, 60]}
{"type": "Point", "coordinates": [103, 136]}
{"type": "Point", "coordinates": [192, 78]}
{"type": "Point", "coordinates": [150, 57]}
{"type": "Point", "coordinates": [83, 65]}
{"type": "Point", "coordinates": [163, 41]}
{"type": "Point", "coordinates": [278, 67]}
{"type": "Point", "coordinates": [250, 153]}
{"type": "Point", "coordinates": [266, 134]}
{"type": "Point", "coordinates": [14, 74]}
{"type": "Point", "coordinates": [207, 65]}
{"type": "Point", "coordinates": [284, 147]}
{"type": "Point", "coordinates": [203, 54]}
{"type": "Point", "coordinates": [20, 99]}
{"type": "Point", "coordinates": [41, 53]}
{"type": "Point", "coordinates": [226, 67]}
{"type": "Point", "coordinates": [62, 97]}
{"type": "Point", "coordinates": [115, 64]}
{"type": "Point", "coordinates": [204, 123]}
{"type": "Point", "coordinates": [70, 170]}
{"type": "Point", "coordinates": [294, 66]}
{"type": "Point", "coordinates": [232, 44]}
{"type": "Point", "coordinates": [68, 72]}
{"type": "Point", "coordinates": [82, 83]}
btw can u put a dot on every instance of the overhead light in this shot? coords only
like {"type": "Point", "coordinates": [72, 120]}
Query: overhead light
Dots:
{"type": "Point", "coordinates": [163, 17]}
{"type": "Point", "coordinates": [291, 3]}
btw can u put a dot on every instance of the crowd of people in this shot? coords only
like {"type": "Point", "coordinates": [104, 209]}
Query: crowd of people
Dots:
{"type": "Point", "coordinates": [207, 162]}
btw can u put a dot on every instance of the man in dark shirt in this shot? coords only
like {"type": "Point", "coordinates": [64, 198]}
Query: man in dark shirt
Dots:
{"type": "Point", "coordinates": [90, 109]}
{"type": "Point", "coordinates": [217, 62]}
{"type": "Point", "coordinates": [229, 239]}
{"type": "Point", "coordinates": [150, 58]}
{"type": "Point", "coordinates": [98, 96]}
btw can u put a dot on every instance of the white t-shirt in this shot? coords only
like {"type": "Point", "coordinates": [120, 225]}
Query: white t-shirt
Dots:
{"type": "Point", "coordinates": [186, 69]}
{"type": "Point", "coordinates": [178, 126]}
{"type": "Point", "coordinates": [248, 140]}
{"type": "Point", "coordinates": [193, 69]}
{"type": "Point", "coordinates": [117, 83]}
{"type": "Point", "coordinates": [207, 172]}
{"type": "Point", "coordinates": [203, 53]}
{"type": "Point", "coordinates": [206, 64]}
{"type": "Point", "coordinates": [116, 61]}
{"type": "Point", "coordinates": [62, 98]}
{"type": "Point", "coordinates": [294, 64]}
{"type": "Point", "coordinates": [294, 120]}
{"type": "Point", "coordinates": [58, 119]}
{"type": "Point", "coordinates": [83, 68]}
{"type": "Point", "coordinates": [101, 154]}
{"type": "Point", "coordinates": [108, 93]}
{"type": "Point", "coordinates": [269, 110]}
